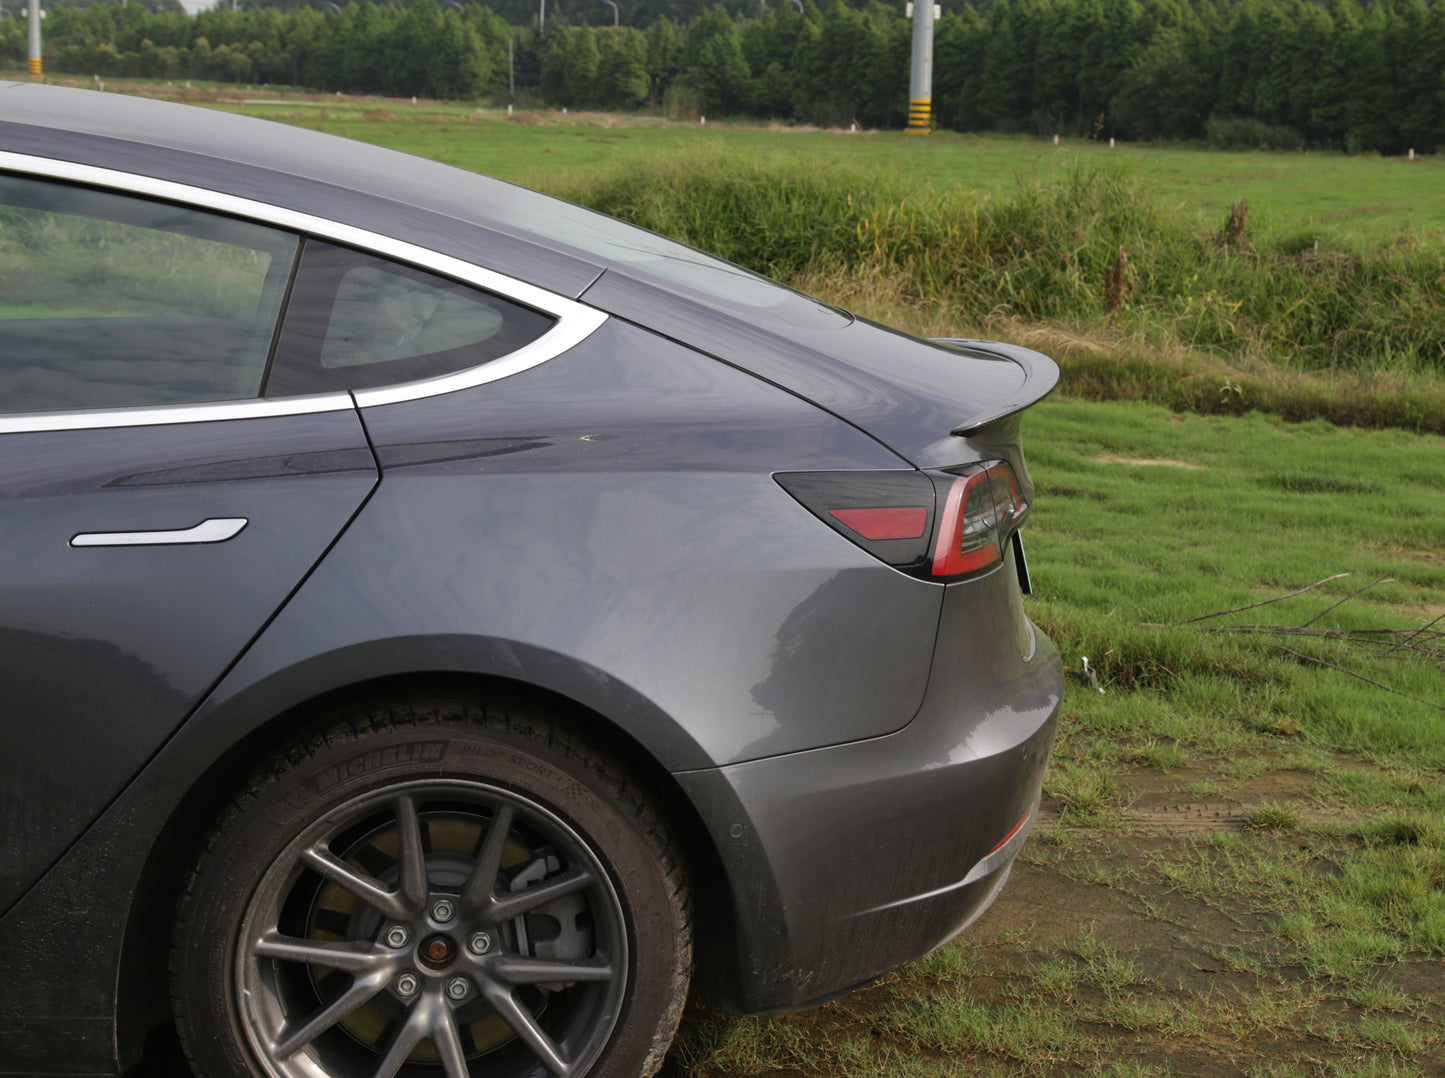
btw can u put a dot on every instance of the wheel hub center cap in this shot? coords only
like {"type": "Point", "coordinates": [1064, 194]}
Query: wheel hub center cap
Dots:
{"type": "Point", "coordinates": [436, 952]}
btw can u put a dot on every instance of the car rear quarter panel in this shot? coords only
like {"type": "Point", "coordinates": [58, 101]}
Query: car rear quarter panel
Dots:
{"type": "Point", "coordinates": [860, 855]}
{"type": "Point", "coordinates": [608, 523]}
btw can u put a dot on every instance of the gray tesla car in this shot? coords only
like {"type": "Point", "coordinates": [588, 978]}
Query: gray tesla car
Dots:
{"type": "Point", "coordinates": [439, 625]}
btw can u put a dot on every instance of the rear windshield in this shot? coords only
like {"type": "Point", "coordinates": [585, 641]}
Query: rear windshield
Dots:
{"type": "Point", "coordinates": [644, 255]}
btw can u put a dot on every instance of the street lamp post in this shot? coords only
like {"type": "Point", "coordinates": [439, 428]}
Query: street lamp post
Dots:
{"type": "Point", "coordinates": [34, 12]}
{"type": "Point", "coordinates": [616, 15]}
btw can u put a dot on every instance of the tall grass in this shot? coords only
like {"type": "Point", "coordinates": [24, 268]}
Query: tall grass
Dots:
{"type": "Point", "coordinates": [1039, 254]}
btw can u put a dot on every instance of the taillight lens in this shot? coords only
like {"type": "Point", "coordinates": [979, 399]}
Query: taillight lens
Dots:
{"type": "Point", "coordinates": [934, 525]}
{"type": "Point", "coordinates": [980, 510]}
{"type": "Point", "coordinates": [897, 522]}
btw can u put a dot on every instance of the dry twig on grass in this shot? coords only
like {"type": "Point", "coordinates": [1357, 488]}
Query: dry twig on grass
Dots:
{"type": "Point", "coordinates": [1346, 670]}
{"type": "Point", "coordinates": [1423, 642]}
{"type": "Point", "coordinates": [1263, 602]}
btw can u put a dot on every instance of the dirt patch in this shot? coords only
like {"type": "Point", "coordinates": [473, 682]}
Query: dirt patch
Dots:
{"type": "Point", "coordinates": [1211, 994]}
{"type": "Point", "coordinates": [1158, 802]}
{"type": "Point", "coordinates": [1430, 556]}
{"type": "Point", "coordinates": [1195, 816]}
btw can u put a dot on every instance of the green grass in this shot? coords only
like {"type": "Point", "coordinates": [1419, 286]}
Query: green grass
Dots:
{"type": "Point", "coordinates": [1146, 519]}
{"type": "Point", "coordinates": [1272, 816]}
{"type": "Point", "coordinates": [1332, 193]}
{"type": "Point", "coordinates": [53, 265]}
{"type": "Point", "coordinates": [1163, 756]}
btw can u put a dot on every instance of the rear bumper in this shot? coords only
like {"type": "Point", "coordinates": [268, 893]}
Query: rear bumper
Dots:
{"type": "Point", "coordinates": [848, 861]}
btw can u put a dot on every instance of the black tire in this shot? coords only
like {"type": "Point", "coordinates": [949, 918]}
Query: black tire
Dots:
{"type": "Point", "coordinates": [413, 855]}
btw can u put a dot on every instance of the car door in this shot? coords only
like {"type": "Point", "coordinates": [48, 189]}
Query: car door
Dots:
{"type": "Point", "coordinates": [155, 510]}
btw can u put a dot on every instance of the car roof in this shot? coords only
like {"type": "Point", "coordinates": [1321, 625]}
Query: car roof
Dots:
{"type": "Point", "coordinates": [907, 393]}
{"type": "Point", "coordinates": [460, 213]}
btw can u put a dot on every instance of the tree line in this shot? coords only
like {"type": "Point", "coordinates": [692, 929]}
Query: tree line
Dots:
{"type": "Point", "coordinates": [1271, 73]}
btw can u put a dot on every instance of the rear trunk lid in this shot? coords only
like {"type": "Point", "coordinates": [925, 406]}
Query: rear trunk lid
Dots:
{"type": "Point", "coordinates": [935, 404]}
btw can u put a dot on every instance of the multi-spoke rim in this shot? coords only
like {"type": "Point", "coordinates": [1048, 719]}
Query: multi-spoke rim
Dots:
{"type": "Point", "coordinates": [433, 927]}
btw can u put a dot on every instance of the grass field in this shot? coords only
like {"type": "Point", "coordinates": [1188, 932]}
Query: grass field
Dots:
{"type": "Point", "coordinates": [1241, 864]}
{"type": "Point", "coordinates": [1363, 196]}
{"type": "Point", "coordinates": [1352, 195]}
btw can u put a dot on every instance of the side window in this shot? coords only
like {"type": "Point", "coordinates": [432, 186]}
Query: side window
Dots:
{"type": "Point", "coordinates": [356, 320]}
{"type": "Point", "coordinates": [108, 301]}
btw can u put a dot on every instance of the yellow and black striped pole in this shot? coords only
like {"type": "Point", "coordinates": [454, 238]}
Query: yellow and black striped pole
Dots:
{"type": "Point", "coordinates": [34, 15]}
{"type": "Point", "coordinates": [920, 79]}
{"type": "Point", "coordinates": [920, 116]}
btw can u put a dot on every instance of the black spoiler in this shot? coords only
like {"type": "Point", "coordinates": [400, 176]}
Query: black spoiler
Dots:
{"type": "Point", "coordinates": [1041, 375]}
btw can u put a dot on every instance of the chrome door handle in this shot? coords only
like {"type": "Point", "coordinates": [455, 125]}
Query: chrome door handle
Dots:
{"type": "Point", "coordinates": [215, 530]}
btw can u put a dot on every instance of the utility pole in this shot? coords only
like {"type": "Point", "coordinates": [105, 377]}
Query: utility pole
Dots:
{"type": "Point", "coordinates": [35, 39]}
{"type": "Point", "coordinates": [920, 79]}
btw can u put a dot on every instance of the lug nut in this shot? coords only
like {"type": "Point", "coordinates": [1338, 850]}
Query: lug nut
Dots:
{"type": "Point", "coordinates": [442, 910]}
{"type": "Point", "coordinates": [407, 984]}
{"type": "Point", "coordinates": [458, 988]}
{"type": "Point", "coordinates": [480, 943]}
{"type": "Point", "coordinates": [397, 936]}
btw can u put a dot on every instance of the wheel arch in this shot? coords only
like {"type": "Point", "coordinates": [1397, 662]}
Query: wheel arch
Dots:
{"type": "Point", "coordinates": [142, 1001]}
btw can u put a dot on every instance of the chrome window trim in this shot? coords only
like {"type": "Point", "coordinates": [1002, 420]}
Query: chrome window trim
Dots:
{"type": "Point", "coordinates": [161, 415]}
{"type": "Point", "coordinates": [566, 334]}
{"type": "Point", "coordinates": [575, 321]}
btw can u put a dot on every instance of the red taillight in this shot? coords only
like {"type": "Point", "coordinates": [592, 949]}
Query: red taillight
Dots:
{"type": "Point", "coordinates": [888, 513]}
{"type": "Point", "coordinates": [978, 512]}
{"type": "Point", "coordinates": [884, 523]}
{"type": "Point", "coordinates": [935, 525]}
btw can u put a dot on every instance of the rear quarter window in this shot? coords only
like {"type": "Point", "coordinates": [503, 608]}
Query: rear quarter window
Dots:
{"type": "Point", "coordinates": [357, 320]}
